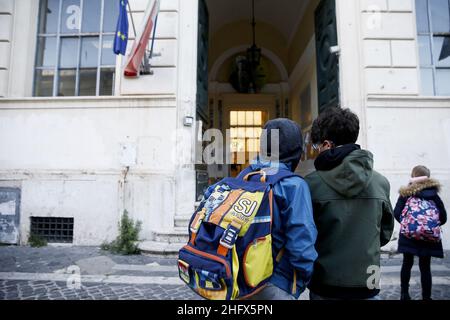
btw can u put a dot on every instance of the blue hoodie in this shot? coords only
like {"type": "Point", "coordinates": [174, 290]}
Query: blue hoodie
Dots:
{"type": "Point", "coordinates": [294, 232]}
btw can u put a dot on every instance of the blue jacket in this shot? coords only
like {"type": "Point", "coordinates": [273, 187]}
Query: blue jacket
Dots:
{"type": "Point", "coordinates": [294, 232]}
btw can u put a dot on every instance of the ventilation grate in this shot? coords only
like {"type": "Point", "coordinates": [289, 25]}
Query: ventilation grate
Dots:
{"type": "Point", "coordinates": [56, 230]}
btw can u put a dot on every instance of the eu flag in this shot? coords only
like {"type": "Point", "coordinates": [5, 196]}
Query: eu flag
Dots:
{"type": "Point", "coordinates": [121, 38]}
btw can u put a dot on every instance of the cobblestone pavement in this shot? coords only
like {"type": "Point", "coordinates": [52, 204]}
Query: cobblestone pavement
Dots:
{"type": "Point", "coordinates": [88, 273]}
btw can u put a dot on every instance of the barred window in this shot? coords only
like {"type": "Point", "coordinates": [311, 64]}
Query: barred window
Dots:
{"type": "Point", "coordinates": [433, 27]}
{"type": "Point", "coordinates": [74, 48]}
{"type": "Point", "coordinates": [52, 229]}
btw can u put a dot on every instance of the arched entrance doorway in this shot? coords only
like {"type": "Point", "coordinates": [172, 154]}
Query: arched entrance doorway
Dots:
{"type": "Point", "coordinates": [300, 71]}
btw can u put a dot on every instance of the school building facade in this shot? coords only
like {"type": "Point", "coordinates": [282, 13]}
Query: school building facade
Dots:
{"type": "Point", "coordinates": [80, 143]}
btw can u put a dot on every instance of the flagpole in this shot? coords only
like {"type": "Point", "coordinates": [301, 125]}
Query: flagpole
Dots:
{"type": "Point", "coordinates": [131, 16]}
{"type": "Point", "coordinates": [139, 52]}
{"type": "Point", "coordinates": [153, 41]}
{"type": "Point", "coordinates": [132, 23]}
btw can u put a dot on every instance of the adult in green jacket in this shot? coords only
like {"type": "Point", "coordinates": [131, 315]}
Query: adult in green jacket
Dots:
{"type": "Point", "coordinates": [352, 211]}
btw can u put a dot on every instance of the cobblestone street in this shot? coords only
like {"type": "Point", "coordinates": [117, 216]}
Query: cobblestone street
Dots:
{"type": "Point", "coordinates": [53, 273]}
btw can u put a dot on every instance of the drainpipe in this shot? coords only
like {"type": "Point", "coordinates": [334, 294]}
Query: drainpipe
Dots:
{"type": "Point", "coordinates": [122, 192]}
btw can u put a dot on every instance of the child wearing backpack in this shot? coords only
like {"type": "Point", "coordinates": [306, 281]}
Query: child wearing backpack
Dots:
{"type": "Point", "coordinates": [420, 212]}
{"type": "Point", "coordinates": [252, 237]}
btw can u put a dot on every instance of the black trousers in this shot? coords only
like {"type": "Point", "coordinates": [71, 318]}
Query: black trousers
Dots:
{"type": "Point", "coordinates": [425, 274]}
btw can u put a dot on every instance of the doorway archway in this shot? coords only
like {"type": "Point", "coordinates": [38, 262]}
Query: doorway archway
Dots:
{"type": "Point", "coordinates": [283, 32]}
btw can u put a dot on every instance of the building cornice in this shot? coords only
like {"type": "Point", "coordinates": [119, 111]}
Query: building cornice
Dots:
{"type": "Point", "coordinates": [112, 102]}
{"type": "Point", "coordinates": [415, 102]}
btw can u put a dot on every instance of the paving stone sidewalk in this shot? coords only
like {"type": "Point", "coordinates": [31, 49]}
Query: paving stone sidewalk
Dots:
{"type": "Point", "coordinates": [88, 273]}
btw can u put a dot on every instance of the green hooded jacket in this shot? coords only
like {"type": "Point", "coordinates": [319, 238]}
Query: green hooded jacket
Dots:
{"type": "Point", "coordinates": [354, 218]}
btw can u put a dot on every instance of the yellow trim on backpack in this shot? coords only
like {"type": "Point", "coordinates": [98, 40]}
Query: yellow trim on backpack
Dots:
{"type": "Point", "coordinates": [235, 260]}
{"type": "Point", "coordinates": [258, 261]}
{"type": "Point", "coordinates": [294, 284]}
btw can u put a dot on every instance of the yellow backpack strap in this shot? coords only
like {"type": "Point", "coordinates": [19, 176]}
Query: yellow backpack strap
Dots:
{"type": "Point", "coordinates": [195, 225]}
{"type": "Point", "coordinates": [294, 284]}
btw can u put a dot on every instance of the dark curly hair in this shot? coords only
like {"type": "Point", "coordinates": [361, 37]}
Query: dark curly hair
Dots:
{"type": "Point", "coordinates": [340, 126]}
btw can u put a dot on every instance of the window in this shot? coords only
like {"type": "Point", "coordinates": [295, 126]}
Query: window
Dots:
{"type": "Point", "coordinates": [433, 27]}
{"type": "Point", "coordinates": [245, 133]}
{"type": "Point", "coordinates": [74, 48]}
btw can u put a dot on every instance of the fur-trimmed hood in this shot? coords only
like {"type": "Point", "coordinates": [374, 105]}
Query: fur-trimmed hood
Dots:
{"type": "Point", "coordinates": [415, 188]}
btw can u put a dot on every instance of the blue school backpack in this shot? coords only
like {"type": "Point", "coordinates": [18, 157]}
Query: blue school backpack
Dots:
{"type": "Point", "coordinates": [229, 254]}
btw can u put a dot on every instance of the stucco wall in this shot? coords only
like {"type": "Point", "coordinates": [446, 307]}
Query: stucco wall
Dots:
{"type": "Point", "coordinates": [69, 156]}
{"type": "Point", "coordinates": [388, 31]}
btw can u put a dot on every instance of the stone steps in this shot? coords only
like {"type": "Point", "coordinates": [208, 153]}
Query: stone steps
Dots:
{"type": "Point", "coordinates": [166, 243]}
{"type": "Point", "coordinates": [177, 235]}
{"type": "Point", "coordinates": [160, 248]}
{"type": "Point", "coordinates": [169, 243]}
{"type": "Point", "coordinates": [182, 222]}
